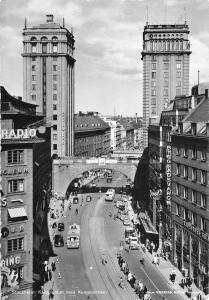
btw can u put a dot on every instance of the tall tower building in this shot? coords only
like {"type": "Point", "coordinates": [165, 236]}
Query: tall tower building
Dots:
{"type": "Point", "coordinates": [48, 79]}
{"type": "Point", "coordinates": [166, 55]}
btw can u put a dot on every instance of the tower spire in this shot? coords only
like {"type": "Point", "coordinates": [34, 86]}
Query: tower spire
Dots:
{"type": "Point", "coordinates": [25, 23]}
{"type": "Point", "coordinates": [63, 22]}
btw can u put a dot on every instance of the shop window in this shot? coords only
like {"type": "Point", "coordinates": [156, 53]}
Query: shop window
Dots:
{"type": "Point", "coordinates": [15, 245]}
{"type": "Point", "coordinates": [15, 185]}
{"type": "Point", "coordinates": [15, 157]}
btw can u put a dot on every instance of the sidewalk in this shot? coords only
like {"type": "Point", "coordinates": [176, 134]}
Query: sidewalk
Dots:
{"type": "Point", "coordinates": [165, 269]}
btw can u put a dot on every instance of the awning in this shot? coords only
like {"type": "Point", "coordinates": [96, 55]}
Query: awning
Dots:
{"type": "Point", "coordinates": [18, 212]}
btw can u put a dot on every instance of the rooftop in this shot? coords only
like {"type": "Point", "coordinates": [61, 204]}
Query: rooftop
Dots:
{"type": "Point", "coordinates": [89, 123]}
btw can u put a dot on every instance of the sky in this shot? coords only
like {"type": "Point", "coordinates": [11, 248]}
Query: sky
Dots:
{"type": "Point", "coordinates": [108, 42]}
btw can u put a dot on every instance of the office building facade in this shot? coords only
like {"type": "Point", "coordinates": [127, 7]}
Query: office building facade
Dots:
{"type": "Point", "coordinates": [48, 79]}
{"type": "Point", "coordinates": [165, 55]}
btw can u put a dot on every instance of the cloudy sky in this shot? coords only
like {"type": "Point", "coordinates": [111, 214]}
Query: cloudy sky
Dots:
{"type": "Point", "coordinates": [108, 36]}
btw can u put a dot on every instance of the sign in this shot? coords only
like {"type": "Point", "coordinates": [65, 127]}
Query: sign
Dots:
{"type": "Point", "coordinates": [18, 133]}
{"type": "Point", "coordinates": [168, 174]}
{"type": "Point", "coordinates": [4, 232]}
{"type": "Point", "coordinates": [196, 230]}
{"type": "Point", "coordinates": [14, 171]}
{"type": "Point", "coordinates": [4, 202]}
{"type": "Point", "coordinates": [10, 261]}
{"type": "Point", "coordinates": [102, 161]}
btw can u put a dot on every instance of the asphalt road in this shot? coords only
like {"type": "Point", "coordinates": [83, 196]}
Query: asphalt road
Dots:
{"type": "Point", "coordinates": [82, 274]}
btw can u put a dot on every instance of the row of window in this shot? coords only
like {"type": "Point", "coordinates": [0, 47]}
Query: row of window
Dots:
{"type": "Point", "coordinates": [165, 91]}
{"type": "Point", "coordinates": [15, 244]}
{"type": "Point", "coordinates": [54, 58]}
{"type": "Point", "coordinates": [34, 86]}
{"type": "Point", "coordinates": [191, 216]}
{"type": "Point", "coordinates": [166, 66]}
{"type": "Point", "coordinates": [44, 48]}
{"type": "Point", "coordinates": [192, 195]}
{"type": "Point", "coordinates": [54, 77]}
{"type": "Point", "coordinates": [191, 173]}
{"type": "Point", "coordinates": [167, 45]}
{"type": "Point", "coordinates": [191, 152]}
{"type": "Point", "coordinates": [15, 157]}
{"type": "Point", "coordinates": [166, 75]}
{"type": "Point", "coordinates": [33, 67]}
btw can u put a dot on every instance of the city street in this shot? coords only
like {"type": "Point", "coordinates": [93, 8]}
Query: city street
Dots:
{"type": "Point", "coordinates": [82, 274]}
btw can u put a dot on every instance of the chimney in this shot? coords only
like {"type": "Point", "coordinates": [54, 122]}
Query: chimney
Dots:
{"type": "Point", "coordinates": [206, 93]}
{"type": "Point", "coordinates": [49, 18]}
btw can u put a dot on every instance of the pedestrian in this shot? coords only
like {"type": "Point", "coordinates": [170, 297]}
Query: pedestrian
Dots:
{"type": "Point", "coordinates": [51, 294]}
{"type": "Point", "coordinates": [53, 266]}
{"type": "Point", "coordinates": [120, 284]}
{"type": "Point", "coordinates": [50, 274]}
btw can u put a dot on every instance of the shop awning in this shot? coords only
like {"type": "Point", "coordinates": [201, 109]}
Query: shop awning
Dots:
{"type": "Point", "coordinates": [18, 212]}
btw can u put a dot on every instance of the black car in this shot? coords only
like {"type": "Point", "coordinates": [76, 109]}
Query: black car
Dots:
{"type": "Point", "coordinates": [58, 240]}
{"type": "Point", "coordinates": [88, 198]}
{"type": "Point", "coordinates": [61, 227]}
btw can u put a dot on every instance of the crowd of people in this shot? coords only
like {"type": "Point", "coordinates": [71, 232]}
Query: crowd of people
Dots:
{"type": "Point", "coordinates": [139, 288]}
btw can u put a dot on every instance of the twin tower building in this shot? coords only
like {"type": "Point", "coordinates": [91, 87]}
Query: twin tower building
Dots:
{"type": "Point", "coordinates": [48, 74]}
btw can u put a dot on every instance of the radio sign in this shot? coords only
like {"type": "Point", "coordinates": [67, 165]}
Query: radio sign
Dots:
{"type": "Point", "coordinates": [18, 133]}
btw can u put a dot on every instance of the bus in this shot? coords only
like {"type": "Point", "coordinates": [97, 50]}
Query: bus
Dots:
{"type": "Point", "coordinates": [110, 194]}
{"type": "Point", "coordinates": [73, 237]}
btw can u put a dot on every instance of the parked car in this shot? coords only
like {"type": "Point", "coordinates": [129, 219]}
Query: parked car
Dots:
{"type": "Point", "coordinates": [58, 240]}
{"type": "Point", "coordinates": [61, 226]}
{"type": "Point", "coordinates": [126, 221]}
{"type": "Point", "coordinates": [88, 198]}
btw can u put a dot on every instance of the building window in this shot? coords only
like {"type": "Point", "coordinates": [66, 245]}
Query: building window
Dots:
{"type": "Point", "coordinates": [54, 146]}
{"type": "Point", "coordinates": [54, 117]}
{"type": "Point", "coordinates": [33, 67]}
{"type": "Point", "coordinates": [178, 210]}
{"type": "Point", "coordinates": [15, 185]}
{"type": "Point", "coordinates": [55, 127]}
{"type": "Point", "coordinates": [153, 92]}
{"type": "Point", "coordinates": [203, 199]}
{"type": "Point", "coordinates": [203, 177]}
{"type": "Point", "coordinates": [153, 75]}
{"type": "Point", "coordinates": [15, 245]}
{"type": "Point", "coordinates": [54, 137]}
{"type": "Point", "coordinates": [153, 66]}
{"type": "Point", "coordinates": [178, 83]}
{"type": "Point", "coordinates": [33, 48]}
{"type": "Point", "coordinates": [165, 74]}
{"type": "Point", "coordinates": [178, 66]}
{"type": "Point", "coordinates": [178, 189]}
{"type": "Point", "coordinates": [178, 74]}
{"type": "Point", "coordinates": [203, 156]}
{"type": "Point", "coordinates": [194, 174]}
{"type": "Point", "coordinates": [44, 48]}
{"type": "Point", "coordinates": [194, 196]}
{"type": "Point", "coordinates": [166, 66]}
{"type": "Point", "coordinates": [185, 171]}
{"type": "Point", "coordinates": [185, 193]}
{"type": "Point", "coordinates": [185, 151]}
{"type": "Point", "coordinates": [194, 219]}
{"type": "Point", "coordinates": [54, 58]}
{"type": "Point", "coordinates": [153, 57]}
{"type": "Point", "coordinates": [153, 83]}
{"type": "Point", "coordinates": [178, 173]}
{"type": "Point", "coordinates": [33, 77]}
{"type": "Point", "coordinates": [54, 67]}
{"type": "Point", "coordinates": [178, 92]}
{"type": "Point", "coordinates": [33, 58]}
{"type": "Point", "coordinates": [33, 97]}
{"type": "Point", "coordinates": [178, 151]}
{"type": "Point", "coordinates": [55, 48]}
{"type": "Point", "coordinates": [15, 157]}
{"type": "Point", "coordinates": [55, 77]}
{"type": "Point", "coordinates": [203, 224]}
{"type": "Point", "coordinates": [194, 152]}
{"type": "Point", "coordinates": [153, 101]}
{"type": "Point", "coordinates": [54, 86]}
{"type": "Point", "coordinates": [54, 106]}
{"type": "Point", "coordinates": [187, 215]}
{"type": "Point", "coordinates": [153, 110]}
{"type": "Point", "coordinates": [33, 87]}
{"type": "Point", "coordinates": [54, 96]}
{"type": "Point", "coordinates": [165, 92]}
{"type": "Point", "coordinates": [166, 83]}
